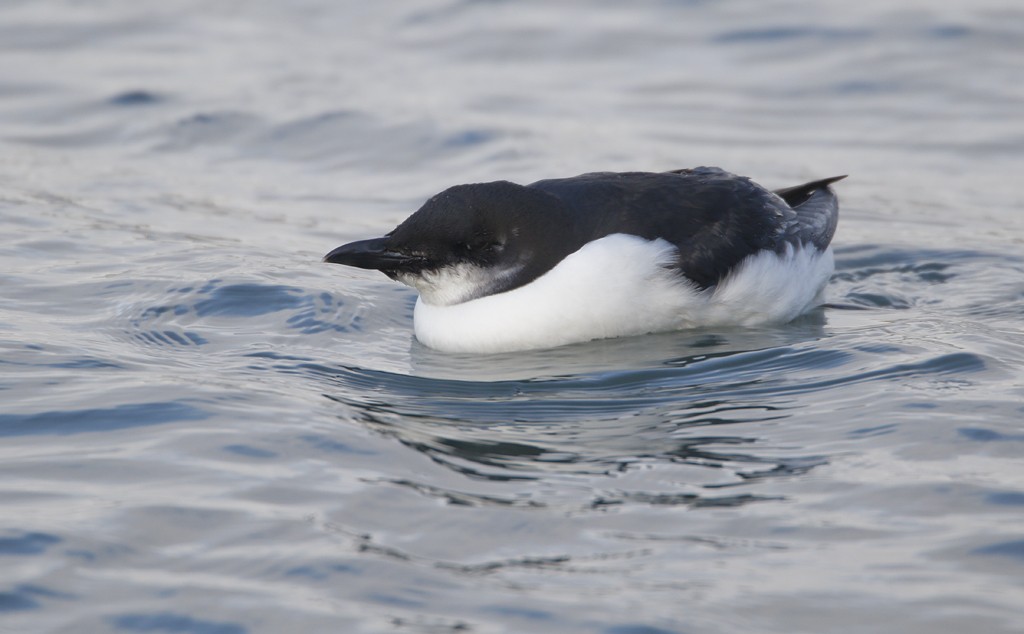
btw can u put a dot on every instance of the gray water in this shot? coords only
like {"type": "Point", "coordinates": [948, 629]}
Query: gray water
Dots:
{"type": "Point", "coordinates": [207, 431]}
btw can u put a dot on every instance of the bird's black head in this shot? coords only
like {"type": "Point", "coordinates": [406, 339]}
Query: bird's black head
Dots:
{"type": "Point", "coordinates": [470, 241]}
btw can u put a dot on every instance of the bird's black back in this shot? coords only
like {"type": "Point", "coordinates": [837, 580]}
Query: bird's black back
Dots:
{"type": "Point", "coordinates": [714, 218]}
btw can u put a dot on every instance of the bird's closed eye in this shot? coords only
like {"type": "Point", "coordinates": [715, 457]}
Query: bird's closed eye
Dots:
{"type": "Point", "coordinates": [480, 247]}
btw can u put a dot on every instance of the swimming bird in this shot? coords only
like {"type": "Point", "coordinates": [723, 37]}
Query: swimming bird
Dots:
{"type": "Point", "coordinates": [504, 267]}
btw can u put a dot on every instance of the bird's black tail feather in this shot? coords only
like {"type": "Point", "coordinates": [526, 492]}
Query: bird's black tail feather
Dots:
{"type": "Point", "coordinates": [817, 211]}
{"type": "Point", "coordinates": [798, 194]}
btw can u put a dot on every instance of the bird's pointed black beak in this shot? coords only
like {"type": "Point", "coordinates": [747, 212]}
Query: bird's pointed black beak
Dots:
{"type": "Point", "coordinates": [369, 254]}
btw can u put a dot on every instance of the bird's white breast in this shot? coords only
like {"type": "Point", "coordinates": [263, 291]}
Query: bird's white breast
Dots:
{"type": "Point", "coordinates": [455, 284]}
{"type": "Point", "coordinates": [624, 285]}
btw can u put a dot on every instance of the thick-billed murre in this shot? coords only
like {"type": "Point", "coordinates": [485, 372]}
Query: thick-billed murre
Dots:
{"type": "Point", "coordinates": [502, 267]}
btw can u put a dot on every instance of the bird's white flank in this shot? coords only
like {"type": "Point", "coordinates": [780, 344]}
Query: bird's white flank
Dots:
{"type": "Point", "coordinates": [623, 285]}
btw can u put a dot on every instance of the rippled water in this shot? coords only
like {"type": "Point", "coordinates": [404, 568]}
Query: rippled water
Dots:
{"type": "Point", "coordinates": [206, 431]}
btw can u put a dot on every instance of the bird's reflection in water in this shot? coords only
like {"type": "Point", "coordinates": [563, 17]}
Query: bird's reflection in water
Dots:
{"type": "Point", "coordinates": [599, 411]}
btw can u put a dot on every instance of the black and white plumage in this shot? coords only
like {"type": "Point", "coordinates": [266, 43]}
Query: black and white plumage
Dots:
{"type": "Point", "coordinates": [501, 266]}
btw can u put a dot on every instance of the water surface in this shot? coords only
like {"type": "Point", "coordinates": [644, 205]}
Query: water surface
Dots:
{"type": "Point", "coordinates": [207, 431]}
